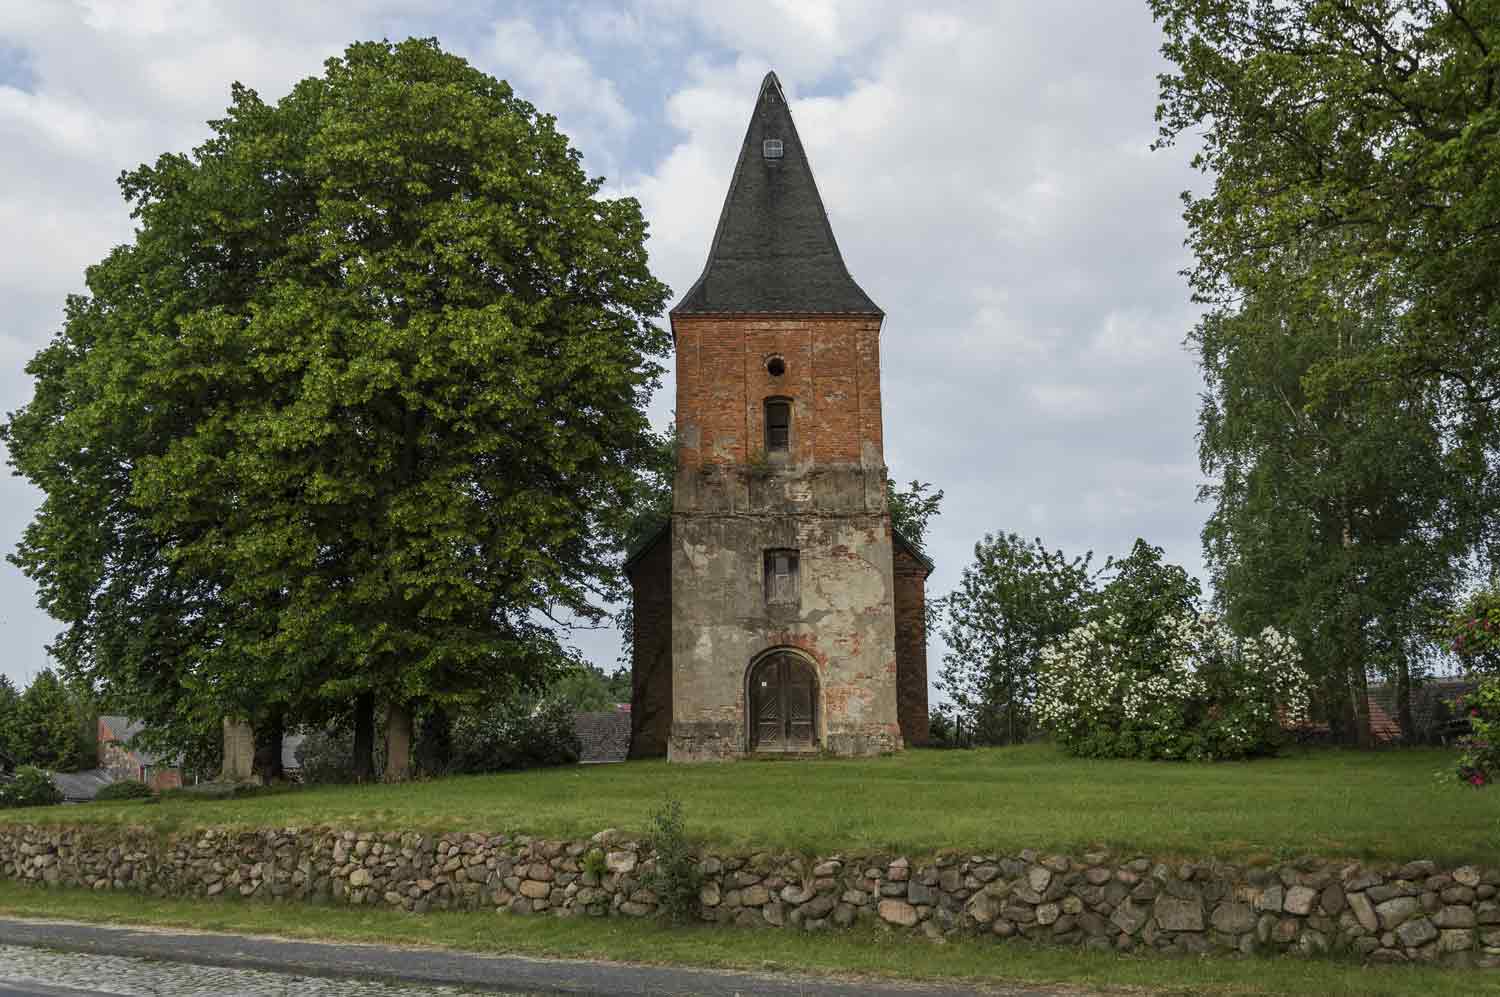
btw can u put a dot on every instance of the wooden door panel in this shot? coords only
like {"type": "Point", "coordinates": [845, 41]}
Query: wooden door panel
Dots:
{"type": "Point", "coordinates": [783, 703]}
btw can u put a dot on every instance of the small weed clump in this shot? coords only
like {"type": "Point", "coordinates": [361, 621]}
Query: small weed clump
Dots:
{"type": "Point", "coordinates": [676, 878]}
{"type": "Point", "coordinates": [594, 864]}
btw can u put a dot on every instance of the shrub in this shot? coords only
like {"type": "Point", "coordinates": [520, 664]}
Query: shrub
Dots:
{"type": "Point", "coordinates": [1183, 689]}
{"type": "Point", "coordinates": [675, 879]}
{"type": "Point", "coordinates": [508, 735]}
{"type": "Point", "coordinates": [31, 788]}
{"type": "Point", "coordinates": [1474, 632]}
{"type": "Point", "coordinates": [126, 789]}
{"type": "Point", "coordinates": [1479, 751]}
{"type": "Point", "coordinates": [326, 757]}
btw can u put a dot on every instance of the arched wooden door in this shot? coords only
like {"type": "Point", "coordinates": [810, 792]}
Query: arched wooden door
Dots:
{"type": "Point", "coordinates": [783, 705]}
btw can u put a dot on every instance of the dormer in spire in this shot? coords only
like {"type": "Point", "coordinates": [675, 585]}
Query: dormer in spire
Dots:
{"type": "Point", "coordinates": [774, 251]}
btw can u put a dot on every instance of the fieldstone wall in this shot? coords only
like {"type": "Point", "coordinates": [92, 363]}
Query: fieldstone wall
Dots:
{"type": "Point", "coordinates": [1415, 911]}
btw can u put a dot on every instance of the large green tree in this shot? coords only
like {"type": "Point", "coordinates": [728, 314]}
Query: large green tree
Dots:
{"type": "Point", "coordinates": [1011, 602]}
{"type": "Point", "coordinates": [1342, 516]}
{"type": "Point", "coordinates": [1351, 144]}
{"type": "Point", "coordinates": [54, 725]}
{"type": "Point", "coordinates": [10, 720]}
{"type": "Point", "coordinates": [357, 408]}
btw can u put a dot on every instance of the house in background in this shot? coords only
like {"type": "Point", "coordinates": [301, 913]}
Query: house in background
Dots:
{"type": "Point", "coordinates": [122, 760]}
{"type": "Point", "coordinates": [603, 736]}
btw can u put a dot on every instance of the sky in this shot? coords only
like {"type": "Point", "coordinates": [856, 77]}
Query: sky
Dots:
{"type": "Point", "coordinates": [986, 167]}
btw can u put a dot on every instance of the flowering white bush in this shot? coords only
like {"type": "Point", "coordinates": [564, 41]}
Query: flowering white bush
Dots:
{"type": "Point", "coordinates": [1185, 688]}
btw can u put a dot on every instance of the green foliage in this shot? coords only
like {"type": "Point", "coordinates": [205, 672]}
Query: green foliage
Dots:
{"type": "Point", "coordinates": [675, 877]}
{"type": "Point", "coordinates": [1345, 517]}
{"type": "Point", "coordinates": [913, 509]}
{"type": "Point", "coordinates": [1352, 146]}
{"type": "Point", "coordinates": [361, 402]}
{"type": "Point", "coordinates": [945, 729]}
{"type": "Point", "coordinates": [513, 734]}
{"type": "Point", "coordinates": [594, 863]}
{"type": "Point", "coordinates": [328, 757]}
{"type": "Point", "coordinates": [31, 787]}
{"type": "Point", "coordinates": [1014, 600]}
{"type": "Point", "coordinates": [1474, 632]}
{"type": "Point", "coordinates": [1479, 751]}
{"type": "Point", "coordinates": [585, 688]}
{"type": "Point", "coordinates": [12, 738]}
{"type": "Point", "coordinates": [125, 789]}
{"type": "Point", "coordinates": [55, 728]}
{"type": "Point", "coordinates": [1149, 676]}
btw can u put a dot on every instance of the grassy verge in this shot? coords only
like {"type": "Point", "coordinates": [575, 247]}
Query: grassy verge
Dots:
{"type": "Point", "coordinates": [856, 953]}
{"type": "Point", "coordinates": [1372, 805]}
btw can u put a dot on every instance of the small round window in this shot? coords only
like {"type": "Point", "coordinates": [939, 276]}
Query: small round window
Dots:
{"type": "Point", "coordinates": [776, 366]}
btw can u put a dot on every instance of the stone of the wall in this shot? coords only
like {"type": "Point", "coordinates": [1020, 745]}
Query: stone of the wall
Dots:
{"type": "Point", "coordinates": [911, 646]}
{"type": "Point", "coordinates": [1417, 912]}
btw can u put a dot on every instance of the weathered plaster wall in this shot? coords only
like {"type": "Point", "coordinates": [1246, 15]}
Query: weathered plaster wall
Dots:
{"type": "Point", "coordinates": [844, 624]}
{"type": "Point", "coordinates": [825, 498]}
{"type": "Point", "coordinates": [1418, 911]}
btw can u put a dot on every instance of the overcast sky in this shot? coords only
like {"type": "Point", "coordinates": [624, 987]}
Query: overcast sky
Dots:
{"type": "Point", "coordinates": [986, 167]}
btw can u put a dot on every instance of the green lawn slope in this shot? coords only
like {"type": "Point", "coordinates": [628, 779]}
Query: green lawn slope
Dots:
{"type": "Point", "coordinates": [1388, 805]}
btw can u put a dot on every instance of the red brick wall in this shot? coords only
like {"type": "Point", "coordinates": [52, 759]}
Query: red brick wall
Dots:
{"type": "Point", "coordinates": [832, 376]}
{"type": "Point", "coordinates": [911, 645]}
{"type": "Point", "coordinates": [651, 659]}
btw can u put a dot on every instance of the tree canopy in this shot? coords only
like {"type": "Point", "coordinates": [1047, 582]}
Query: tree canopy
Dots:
{"type": "Point", "coordinates": [1346, 253]}
{"type": "Point", "coordinates": [1352, 145]}
{"type": "Point", "coordinates": [354, 413]}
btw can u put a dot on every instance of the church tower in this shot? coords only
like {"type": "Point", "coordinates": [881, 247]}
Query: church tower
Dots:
{"type": "Point", "coordinates": [785, 574]}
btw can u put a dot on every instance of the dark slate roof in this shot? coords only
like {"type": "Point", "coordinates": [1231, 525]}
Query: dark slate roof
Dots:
{"type": "Point", "coordinates": [645, 547]}
{"type": "Point", "coordinates": [125, 729]}
{"type": "Point", "coordinates": [913, 550]}
{"type": "Point", "coordinates": [603, 736]}
{"type": "Point", "coordinates": [80, 787]}
{"type": "Point", "coordinates": [774, 251]}
{"type": "Point", "coordinates": [1425, 712]}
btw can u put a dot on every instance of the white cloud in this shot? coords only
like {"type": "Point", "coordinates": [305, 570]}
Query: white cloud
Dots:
{"type": "Point", "coordinates": [985, 167]}
{"type": "Point", "coordinates": [550, 72]}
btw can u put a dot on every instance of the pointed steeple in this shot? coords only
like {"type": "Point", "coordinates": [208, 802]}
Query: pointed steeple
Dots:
{"type": "Point", "coordinates": [774, 251]}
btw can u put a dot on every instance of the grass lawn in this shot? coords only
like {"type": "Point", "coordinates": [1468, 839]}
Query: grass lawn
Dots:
{"type": "Point", "coordinates": [1380, 805]}
{"type": "Point", "coordinates": [857, 952]}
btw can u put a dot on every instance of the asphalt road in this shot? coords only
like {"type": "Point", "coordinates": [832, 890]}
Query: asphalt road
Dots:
{"type": "Point", "coordinates": [424, 968]}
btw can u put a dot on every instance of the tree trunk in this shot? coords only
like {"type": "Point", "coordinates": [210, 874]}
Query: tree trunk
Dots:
{"type": "Point", "coordinates": [1354, 658]}
{"type": "Point", "coordinates": [434, 749]}
{"type": "Point", "coordinates": [1403, 700]}
{"type": "Point", "coordinates": [268, 738]}
{"type": "Point", "coordinates": [364, 737]}
{"type": "Point", "coordinates": [397, 742]}
{"type": "Point", "coordinates": [239, 751]}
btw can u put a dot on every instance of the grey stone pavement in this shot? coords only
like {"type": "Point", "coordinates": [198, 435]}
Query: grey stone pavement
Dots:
{"type": "Point", "coordinates": [68, 959]}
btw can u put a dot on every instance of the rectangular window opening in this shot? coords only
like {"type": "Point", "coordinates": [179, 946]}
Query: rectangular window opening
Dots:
{"type": "Point", "coordinates": [778, 426]}
{"type": "Point", "coordinates": [781, 577]}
